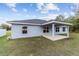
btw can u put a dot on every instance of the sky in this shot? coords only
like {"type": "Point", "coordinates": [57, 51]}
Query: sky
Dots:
{"type": "Point", "coordinates": [46, 11]}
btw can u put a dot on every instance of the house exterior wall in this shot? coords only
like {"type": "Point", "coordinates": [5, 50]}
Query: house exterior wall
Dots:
{"type": "Point", "coordinates": [61, 30]}
{"type": "Point", "coordinates": [31, 31]}
{"type": "Point", "coordinates": [48, 33]}
{"type": "Point", "coordinates": [53, 33]}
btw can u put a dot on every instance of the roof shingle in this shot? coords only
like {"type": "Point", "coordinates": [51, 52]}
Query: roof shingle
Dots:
{"type": "Point", "coordinates": [35, 21]}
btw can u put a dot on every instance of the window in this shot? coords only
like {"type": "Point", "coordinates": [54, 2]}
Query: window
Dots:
{"type": "Point", "coordinates": [46, 29]}
{"type": "Point", "coordinates": [57, 29]}
{"type": "Point", "coordinates": [24, 30]}
{"type": "Point", "coordinates": [64, 29]}
{"type": "Point", "coordinates": [24, 27]}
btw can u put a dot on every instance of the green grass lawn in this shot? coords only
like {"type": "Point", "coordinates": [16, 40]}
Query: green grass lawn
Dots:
{"type": "Point", "coordinates": [39, 46]}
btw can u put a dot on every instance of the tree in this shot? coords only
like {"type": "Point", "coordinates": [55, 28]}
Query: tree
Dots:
{"type": "Point", "coordinates": [60, 18]}
{"type": "Point", "coordinates": [76, 10]}
{"type": "Point", "coordinates": [5, 26]}
{"type": "Point", "coordinates": [75, 21]}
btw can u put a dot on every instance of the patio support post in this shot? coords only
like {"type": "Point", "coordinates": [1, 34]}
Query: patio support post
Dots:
{"type": "Point", "coordinates": [53, 30]}
{"type": "Point", "coordinates": [67, 31]}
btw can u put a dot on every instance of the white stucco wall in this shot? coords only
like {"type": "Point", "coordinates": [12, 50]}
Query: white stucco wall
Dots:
{"type": "Point", "coordinates": [61, 29]}
{"type": "Point", "coordinates": [2, 32]}
{"type": "Point", "coordinates": [31, 31]}
{"type": "Point", "coordinates": [48, 33]}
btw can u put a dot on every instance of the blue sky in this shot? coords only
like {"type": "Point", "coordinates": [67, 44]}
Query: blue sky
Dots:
{"type": "Point", "coordinates": [21, 11]}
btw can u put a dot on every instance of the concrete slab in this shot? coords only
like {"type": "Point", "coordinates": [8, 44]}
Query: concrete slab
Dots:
{"type": "Point", "coordinates": [56, 37]}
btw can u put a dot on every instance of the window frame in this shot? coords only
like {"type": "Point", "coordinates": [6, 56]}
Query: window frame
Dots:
{"type": "Point", "coordinates": [24, 30]}
{"type": "Point", "coordinates": [57, 29]}
{"type": "Point", "coordinates": [45, 29]}
{"type": "Point", "coordinates": [24, 27]}
{"type": "Point", "coordinates": [64, 29]}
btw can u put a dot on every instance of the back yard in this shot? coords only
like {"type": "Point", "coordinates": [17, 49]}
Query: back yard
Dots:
{"type": "Point", "coordinates": [38, 46]}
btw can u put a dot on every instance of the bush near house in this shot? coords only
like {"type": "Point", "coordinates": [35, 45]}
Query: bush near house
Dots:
{"type": "Point", "coordinates": [5, 26]}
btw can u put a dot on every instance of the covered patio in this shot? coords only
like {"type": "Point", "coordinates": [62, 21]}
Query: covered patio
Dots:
{"type": "Point", "coordinates": [56, 31]}
{"type": "Point", "coordinates": [56, 37]}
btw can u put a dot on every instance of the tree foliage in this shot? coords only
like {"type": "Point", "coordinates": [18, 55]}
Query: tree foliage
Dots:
{"type": "Point", "coordinates": [60, 18]}
{"type": "Point", "coordinates": [5, 26]}
{"type": "Point", "coordinates": [75, 21]}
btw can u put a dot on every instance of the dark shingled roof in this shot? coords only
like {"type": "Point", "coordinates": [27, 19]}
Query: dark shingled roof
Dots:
{"type": "Point", "coordinates": [35, 21]}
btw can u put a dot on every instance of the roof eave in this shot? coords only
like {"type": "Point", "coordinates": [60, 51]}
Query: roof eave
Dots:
{"type": "Point", "coordinates": [23, 23]}
{"type": "Point", "coordinates": [41, 24]}
{"type": "Point", "coordinates": [57, 22]}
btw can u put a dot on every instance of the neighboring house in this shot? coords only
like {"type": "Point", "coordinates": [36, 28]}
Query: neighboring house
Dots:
{"type": "Point", "coordinates": [53, 30]}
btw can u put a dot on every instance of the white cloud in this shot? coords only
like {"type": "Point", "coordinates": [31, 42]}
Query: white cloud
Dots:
{"type": "Point", "coordinates": [44, 11]}
{"type": "Point", "coordinates": [46, 7]}
{"type": "Point", "coordinates": [51, 7]}
{"type": "Point", "coordinates": [25, 10]}
{"type": "Point", "coordinates": [3, 20]}
{"type": "Point", "coordinates": [49, 17]}
{"type": "Point", "coordinates": [76, 4]}
{"type": "Point", "coordinates": [27, 15]}
{"type": "Point", "coordinates": [66, 15]}
{"type": "Point", "coordinates": [40, 5]}
{"type": "Point", "coordinates": [12, 5]}
{"type": "Point", "coordinates": [14, 10]}
{"type": "Point", "coordinates": [31, 4]}
{"type": "Point", "coordinates": [72, 7]}
{"type": "Point", "coordinates": [72, 13]}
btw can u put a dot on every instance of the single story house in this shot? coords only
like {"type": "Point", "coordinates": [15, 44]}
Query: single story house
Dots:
{"type": "Point", "coordinates": [51, 29]}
